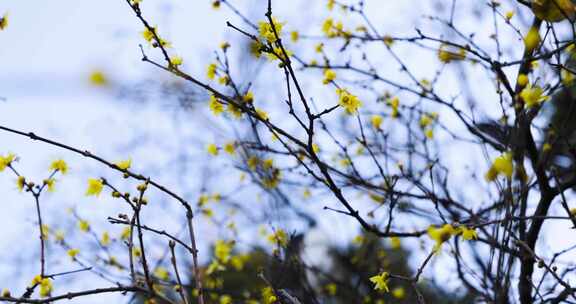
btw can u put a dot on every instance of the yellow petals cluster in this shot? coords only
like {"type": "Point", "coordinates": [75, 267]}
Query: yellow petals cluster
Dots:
{"type": "Point", "coordinates": [380, 281]}
{"type": "Point", "coordinates": [532, 39]}
{"type": "Point", "coordinates": [72, 253]}
{"type": "Point", "coordinates": [212, 149]}
{"type": "Point", "coordinates": [333, 29]}
{"type": "Point", "coordinates": [349, 102]}
{"type": "Point", "coordinates": [267, 32]}
{"type": "Point", "coordinates": [533, 96]}
{"type": "Point", "coordinates": [279, 238]}
{"type": "Point", "coordinates": [215, 105]}
{"type": "Point", "coordinates": [223, 250]}
{"type": "Point", "coordinates": [394, 103]}
{"type": "Point", "coordinates": [211, 71]}
{"type": "Point", "coordinates": [329, 76]}
{"type": "Point", "coordinates": [124, 164]}
{"type": "Point", "coordinates": [446, 55]}
{"type": "Point", "coordinates": [59, 165]}
{"type": "Point", "coordinates": [5, 161]}
{"type": "Point", "coordinates": [50, 183]}
{"type": "Point", "coordinates": [441, 234]}
{"type": "Point", "coordinates": [376, 121]}
{"type": "Point", "coordinates": [45, 285]}
{"type": "Point", "coordinates": [98, 78]}
{"type": "Point", "coordinates": [502, 165]}
{"type": "Point", "coordinates": [20, 183]}
{"type": "Point", "coordinates": [3, 21]}
{"type": "Point", "coordinates": [94, 187]}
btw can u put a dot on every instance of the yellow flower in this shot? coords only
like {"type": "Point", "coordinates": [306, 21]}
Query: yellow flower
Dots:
{"type": "Point", "coordinates": [319, 48]}
{"type": "Point", "coordinates": [149, 34]}
{"type": "Point", "coordinates": [224, 80]}
{"type": "Point", "coordinates": [429, 133]}
{"type": "Point", "coordinates": [94, 187]}
{"type": "Point", "coordinates": [50, 183]}
{"type": "Point", "coordinates": [398, 293]}
{"type": "Point", "coordinates": [124, 164]}
{"type": "Point", "coordinates": [222, 251]}
{"type": "Point", "coordinates": [59, 235]}
{"type": "Point", "coordinates": [329, 76]}
{"type": "Point", "coordinates": [98, 78]}
{"type": "Point", "coordinates": [268, 295]}
{"type": "Point", "coordinates": [105, 240]}
{"type": "Point", "coordinates": [395, 242]}
{"type": "Point", "coordinates": [279, 237]}
{"type": "Point", "coordinates": [509, 15]}
{"type": "Point", "coordinates": [234, 110]}
{"type": "Point", "coordinates": [256, 48]}
{"type": "Point", "coordinates": [553, 10]}
{"type": "Point", "coordinates": [376, 121]}
{"type": "Point", "coordinates": [501, 165]}
{"type": "Point", "coordinates": [532, 39]}
{"type": "Point", "coordinates": [533, 96]}
{"type": "Point", "coordinates": [330, 5]}
{"type": "Point", "coordinates": [45, 287]}
{"type": "Point", "coordinates": [212, 149]}
{"type": "Point", "coordinates": [388, 40]}
{"type": "Point", "coordinates": [125, 234]}
{"type": "Point", "coordinates": [5, 161]}
{"type": "Point", "coordinates": [224, 45]}
{"type": "Point", "coordinates": [441, 235]}
{"type": "Point", "coordinates": [469, 233]}
{"type": "Point", "coordinates": [381, 281]}
{"type": "Point", "coordinates": [230, 148]}
{"type": "Point", "coordinates": [216, 4]}
{"type": "Point", "coordinates": [162, 273]}
{"type": "Point", "coordinates": [45, 231]}
{"type": "Point", "coordinates": [83, 225]}
{"type": "Point", "coordinates": [394, 103]}
{"type": "Point", "coordinates": [176, 60]}
{"type": "Point", "coordinates": [267, 32]}
{"type": "Point", "coordinates": [446, 55]}
{"type": "Point", "coordinates": [522, 80]}
{"type": "Point", "coordinates": [59, 165]}
{"type": "Point", "coordinates": [261, 114]}
{"type": "Point", "coordinates": [20, 183]}
{"type": "Point", "coordinates": [72, 253]}
{"type": "Point", "coordinates": [294, 36]}
{"type": "Point", "coordinates": [211, 71]}
{"type": "Point", "coordinates": [349, 102]}
{"type": "Point", "coordinates": [567, 77]}
{"type": "Point", "coordinates": [331, 289]}
{"type": "Point", "coordinates": [215, 106]}
{"type": "Point", "coordinates": [248, 98]}
{"type": "Point", "coordinates": [225, 299]}
{"type": "Point", "coordinates": [4, 21]}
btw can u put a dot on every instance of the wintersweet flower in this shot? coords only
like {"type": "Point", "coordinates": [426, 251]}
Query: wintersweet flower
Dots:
{"type": "Point", "coordinates": [267, 32]}
{"type": "Point", "coordinates": [59, 165]}
{"type": "Point", "coordinates": [502, 165]}
{"type": "Point", "coordinates": [533, 95]}
{"type": "Point", "coordinates": [441, 234]}
{"type": "Point", "coordinates": [20, 183]}
{"type": "Point", "coordinates": [376, 121]}
{"type": "Point", "coordinates": [329, 76]}
{"type": "Point", "coordinates": [532, 39]}
{"type": "Point", "coordinates": [348, 101]}
{"type": "Point", "coordinates": [381, 281]}
{"type": "Point", "coordinates": [124, 164]}
{"type": "Point", "coordinates": [215, 106]}
{"type": "Point", "coordinates": [94, 187]}
{"type": "Point", "coordinates": [211, 71]}
{"type": "Point", "coordinates": [4, 21]}
{"type": "Point", "coordinates": [5, 161]}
